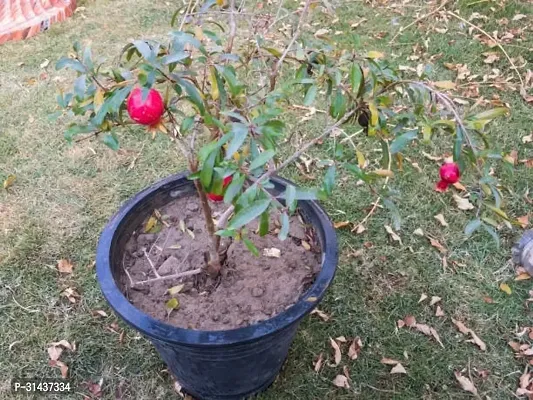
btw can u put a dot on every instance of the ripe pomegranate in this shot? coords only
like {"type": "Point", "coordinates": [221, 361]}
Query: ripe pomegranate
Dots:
{"type": "Point", "coordinates": [218, 197]}
{"type": "Point", "coordinates": [147, 112]}
{"type": "Point", "coordinates": [449, 174]}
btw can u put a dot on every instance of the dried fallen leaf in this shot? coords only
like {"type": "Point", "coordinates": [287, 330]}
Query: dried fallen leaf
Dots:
{"type": "Point", "coordinates": [440, 218]}
{"type": "Point", "coordinates": [172, 304]}
{"type": "Point", "coordinates": [54, 352]}
{"type": "Point", "coordinates": [337, 351]}
{"type": "Point", "coordinates": [434, 300]}
{"type": "Point", "coordinates": [504, 287]}
{"type": "Point", "coordinates": [423, 297]}
{"type": "Point", "coordinates": [393, 234]}
{"type": "Point", "coordinates": [174, 290]}
{"type": "Point", "coordinates": [272, 252]}
{"type": "Point", "coordinates": [444, 84]}
{"type": "Point", "coordinates": [466, 384]}
{"type": "Point", "coordinates": [100, 313]}
{"type": "Point", "coordinates": [418, 232]}
{"type": "Point", "coordinates": [306, 245]}
{"type": "Point", "coordinates": [439, 312]}
{"type": "Point", "coordinates": [389, 361]}
{"type": "Point", "coordinates": [465, 331]}
{"type": "Point", "coordinates": [435, 243]}
{"type": "Point", "coordinates": [527, 139]}
{"type": "Point", "coordinates": [462, 203]}
{"type": "Point", "coordinates": [94, 388]}
{"type": "Point", "coordinates": [61, 365]}
{"type": "Point", "coordinates": [341, 339]}
{"type": "Point", "coordinates": [71, 294]}
{"type": "Point", "coordinates": [9, 181]}
{"type": "Point", "coordinates": [375, 54]}
{"type": "Point", "coordinates": [360, 229]}
{"type": "Point", "coordinates": [524, 276]}
{"type": "Point", "coordinates": [518, 17]}
{"type": "Point", "coordinates": [318, 363]}
{"type": "Point", "coordinates": [341, 224]}
{"type": "Point", "coordinates": [400, 323]}
{"type": "Point", "coordinates": [491, 57]}
{"type": "Point", "coordinates": [321, 32]}
{"type": "Point", "coordinates": [45, 63]}
{"type": "Point", "coordinates": [64, 266]}
{"type": "Point", "coordinates": [459, 186]}
{"type": "Point", "coordinates": [341, 381]}
{"type": "Point", "coordinates": [150, 225]}
{"type": "Point", "coordinates": [523, 221]}
{"type": "Point", "coordinates": [355, 348]}
{"type": "Point", "coordinates": [431, 157]}
{"type": "Point", "coordinates": [398, 369]}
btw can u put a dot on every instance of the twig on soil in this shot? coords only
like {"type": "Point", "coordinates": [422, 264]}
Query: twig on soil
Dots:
{"type": "Point", "coordinates": [151, 264]}
{"type": "Point", "coordinates": [402, 29]}
{"type": "Point", "coordinates": [496, 41]}
{"type": "Point", "coordinates": [126, 270]}
{"type": "Point", "coordinates": [174, 276]}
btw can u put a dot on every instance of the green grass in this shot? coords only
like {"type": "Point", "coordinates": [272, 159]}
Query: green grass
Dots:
{"type": "Point", "coordinates": [63, 196]}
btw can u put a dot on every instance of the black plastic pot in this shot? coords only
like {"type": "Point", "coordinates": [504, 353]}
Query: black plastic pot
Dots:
{"type": "Point", "coordinates": [230, 364]}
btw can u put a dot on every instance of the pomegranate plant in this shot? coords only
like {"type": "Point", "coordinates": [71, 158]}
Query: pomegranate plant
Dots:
{"type": "Point", "coordinates": [226, 94]}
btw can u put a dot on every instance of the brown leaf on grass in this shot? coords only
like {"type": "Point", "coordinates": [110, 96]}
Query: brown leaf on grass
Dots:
{"type": "Point", "coordinates": [54, 352]}
{"type": "Point", "coordinates": [64, 266]}
{"type": "Point", "coordinates": [341, 224]}
{"type": "Point", "coordinates": [462, 203]}
{"type": "Point", "coordinates": [504, 287]}
{"type": "Point", "coordinates": [389, 361]}
{"type": "Point", "coordinates": [435, 243]}
{"type": "Point", "coordinates": [306, 245]}
{"type": "Point", "coordinates": [527, 139]}
{"type": "Point", "coordinates": [398, 369]}
{"type": "Point", "coordinates": [467, 331]}
{"type": "Point", "coordinates": [71, 294]}
{"type": "Point", "coordinates": [466, 384]}
{"type": "Point", "coordinates": [341, 381]}
{"type": "Point", "coordinates": [393, 234]}
{"type": "Point", "coordinates": [459, 186]}
{"type": "Point", "coordinates": [341, 339]}
{"type": "Point", "coordinates": [61, 365]}
{"type": "Point", "coordinates": [491, 57]}
{"type": "Point", "coordinates": [429, 331]}
{"type": "Point", "coordinates": [418, 232]}
{"type": "Point", "coordinates": [346, 372]}
{"type": "Point", "coordinates": [9, 181]}
{"type": "Point", "coordinates": [423, 297]}
{"type": "Point", "coordinates": [63, 343]}
{"type": "Point", "coordinates": [440, 218]}
{"type": "Point", "coordinates": [317, 365]}
{"type": "Point", "coordinates": [355, 348]}
{"type": "Point", "coordinates": [101, 313]}
{"type": "Point", "coordinates": [434, 300]}
{"type": "Point", "coordinates": [439, 312]}
{"type": "Point", "coordinates": [523, 221]}
{"type": "Point", "coordinates": [409, 320]}
{"type": "Point", "coordinates": [325, 317]}
{"type": "Point", "coordinates": [400, 323]}
{"type": "Point", "coordinates": [94, 388]}
{"type": "Point", "coordinates": [336, 351]}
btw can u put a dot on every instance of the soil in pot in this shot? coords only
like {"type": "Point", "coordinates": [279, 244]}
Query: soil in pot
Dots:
{"type": "Point", "coordinates": [250, 289]}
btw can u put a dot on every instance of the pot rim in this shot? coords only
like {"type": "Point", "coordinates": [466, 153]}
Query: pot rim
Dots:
{"type": "Point", "coordinates": [165, 332]}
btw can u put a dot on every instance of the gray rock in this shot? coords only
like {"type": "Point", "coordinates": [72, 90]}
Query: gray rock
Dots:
{"type": "Point", "coordinates": [296, 230]}
{"type": "Point", "coordinates": [170, 266]}
{"type": "Point", "coordinates": [257, 292]}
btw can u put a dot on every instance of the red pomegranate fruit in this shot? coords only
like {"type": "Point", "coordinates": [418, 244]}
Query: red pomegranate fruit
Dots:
{"type": "Point", "coordinates": [147, 112]}
{"type": "Point", "coordinates": [218, 197]}
{"type": "Point", "coordinates": [449, 174]}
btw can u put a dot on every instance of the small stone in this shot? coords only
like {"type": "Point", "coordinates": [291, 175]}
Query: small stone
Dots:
{"type": "Point", "coordinates": [296, 230]}
{"type": "Point", "coordinates": [192, 207]}
{"type": "Point", "coordinates": [226, 320]}
{"type": "Point", "coordinates": [170, 266]}
{"type": "Point", "coordinates": [257, 292]}
{"type": "Point", "coordinates": [215, 318]}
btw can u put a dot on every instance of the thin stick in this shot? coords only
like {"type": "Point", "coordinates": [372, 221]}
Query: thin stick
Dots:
{"type": "Point", "coordinates": [24, 308]}
{"type": "Point", "coordinates": [151, 264]}
{"type": "Point", "coordinates": [402, 29]}
{"type": "Point", "coordinates": [232, 27]}
{"type": "Point", "coordinates": [494, 40]}
{"type": "Point", "coordinates": [287, 49]}
{"type": "Point", "coordinates": [126, 271]}
{"type": "Point", "coordinates": [175, 276]}
{"type": "Point", "coordinates": [187, 10]}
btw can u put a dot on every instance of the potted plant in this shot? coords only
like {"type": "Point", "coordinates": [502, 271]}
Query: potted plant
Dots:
{"type": "Point", "coordinates": [172, 257]}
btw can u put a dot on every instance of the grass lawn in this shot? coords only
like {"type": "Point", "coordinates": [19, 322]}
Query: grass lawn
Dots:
{"type": "Point", "coordinates": [63, 196]}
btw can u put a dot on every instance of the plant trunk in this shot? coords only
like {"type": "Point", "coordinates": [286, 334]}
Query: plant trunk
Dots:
{"type": "Point", "coordinates": [213, 265]}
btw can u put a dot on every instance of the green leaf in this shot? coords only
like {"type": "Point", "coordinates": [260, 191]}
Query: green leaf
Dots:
{"type": "Point", "coordinates": [186, 124]}
{"type": "Point", "coordinates": [385, 158]}
{"type": "Point", "coordinates": [234, 188]}
{"type": "Point", "coordinates": [310, 95]}
{"type": "Point", "coordinates": [249, 213]}
{"type": "Point", "coordinates": [144, 49]}
{"type": "Point", "coordinates": [262, 159]}
{"type": "Point", "coordinates": [76, 130]}
{"type": "Point", "coordinates": [490, 114]}
{"type": "Point", "coordinates": [207, 169]}
{"type": "Point", "coordinates": [472, 226]}
{"type": "Point", "coordinates": [338, 105]}
{"type": "Point", "coordinates": [80, 86]}
{"type": "Point", "coordinates": [263, 223]}
{"type": "Point", "coordinates": [329, 180]}
{"type": "Point", "coordinates": [251, 246]}
{"type": "Point", "coordinates": [226, 233]}
{"type": "Point", "coordinates": [399, 143]}
{"type": "Point", "coordinates": [70, 63]}
{"type": "Point", "coordinates": [194, 95]}
{"type": "Point", "coordinates": [239, 132]}
{"type": "Point", "coordinates": [290, 198]}
{"type": "Point", "coordinates": [175, 57]}
{"type": "Point", "coordinates": [493, 233]}
{"type": "Point", "coordinates": [172, 304]}
{"type": "Point", "coordinates": [356, 79]}
{"type": "Point", "coordinates": [285, 225]}
{"type": "Point", "coordinates": [111, 141]}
